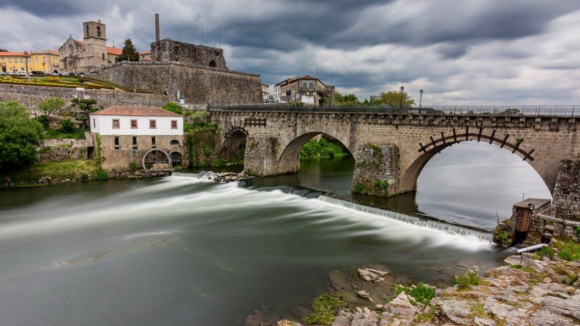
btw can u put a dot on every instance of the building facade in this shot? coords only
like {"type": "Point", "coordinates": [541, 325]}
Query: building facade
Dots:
{"type": "Point", "coordinates": [45, 62]}
{"type": "Point", "coordinates": [91, 54]}
{"type": "Point", "coordinates": [265, 92]}
{"type": "Point", "coordinates": [305, 89]}
{"type": "Point", "coordinates": [138, 134]}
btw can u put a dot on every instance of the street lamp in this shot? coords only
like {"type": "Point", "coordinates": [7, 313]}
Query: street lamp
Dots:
{"type": "Point", "coordinates": [26, 57]}
{"type": "Point", "coordinates": [420, 98]}
{"type": "Point", "coordinates": [402, 89]}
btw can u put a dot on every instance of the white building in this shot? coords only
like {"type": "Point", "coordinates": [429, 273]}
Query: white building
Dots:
{"type": "Point", "coordinates": [144, 135]}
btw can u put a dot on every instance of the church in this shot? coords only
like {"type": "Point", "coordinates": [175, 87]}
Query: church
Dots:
{"type": "Point", "coordinates": [90, 54]}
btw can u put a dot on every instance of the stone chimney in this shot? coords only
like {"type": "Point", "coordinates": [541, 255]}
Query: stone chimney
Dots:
{"type": "Point", "coordinates": [157, 39]}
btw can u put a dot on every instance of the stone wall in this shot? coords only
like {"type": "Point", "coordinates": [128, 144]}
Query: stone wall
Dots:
{"type": "Point", "coordinates": [376, 170]}
{"type": "Point", "coordinates": [188, 53]}
{"type": "Point", "coordinates": [31, 95]}
{"type": "Point", "coordinates": [567, 190]}
{"type": "Point", "coordinates": [63, 153]}
{"type": "Point", "coordinates": [197, 84]}
{"type": "Point", "coordinates": [119, 157]}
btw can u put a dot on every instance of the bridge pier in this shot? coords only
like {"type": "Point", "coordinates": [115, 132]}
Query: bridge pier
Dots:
{"type": "Point", "coordinates": [261, 156]}
{"type": "Point", "coordinates": [377, 170]}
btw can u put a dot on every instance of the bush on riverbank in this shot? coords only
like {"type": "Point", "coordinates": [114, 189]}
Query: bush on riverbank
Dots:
{"type": "Point", "coordinates": [316, 150]}
{"type": "Point", "coordinates": [325, 307]}
{"type": "Point", "coordinates": [55, 172]}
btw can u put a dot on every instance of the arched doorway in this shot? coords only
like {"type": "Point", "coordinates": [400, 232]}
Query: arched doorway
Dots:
{"type": "Point", "coordinates": [176, 158]}
{"type": "Point", "coordinates": [212, 63]}
{"type": "Point", "coordinates": [156, 159]}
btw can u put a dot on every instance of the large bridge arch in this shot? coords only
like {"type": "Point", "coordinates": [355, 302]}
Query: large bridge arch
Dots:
{"type": "Point", "coordinates": [289, 159]}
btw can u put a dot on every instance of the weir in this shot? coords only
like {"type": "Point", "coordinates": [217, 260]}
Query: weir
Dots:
{"type": "Point", "coordinates": [436, 225]}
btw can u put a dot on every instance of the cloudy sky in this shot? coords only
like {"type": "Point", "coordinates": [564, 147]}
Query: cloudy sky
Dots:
{"type": "Point", "coordinates": [477, 52]}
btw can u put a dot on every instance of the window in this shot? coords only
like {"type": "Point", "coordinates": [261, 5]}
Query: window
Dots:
{"type": "Point", "coordinates": [152, 124]}
{"type": "Point", "coordinates": [134, 141]}
{"type": "Point", "coordinates": [174, 142]}
{"type": "Point", "coordinates": [153, 142]}
{"type": "Point", "coordinates": [133, 124]}
{"type": "Point", "coordinates": [103, 57]}
{"type": "Point", "coordinates": [10, 60]}
{"type": "Point", "coordinates": [135, 146]}
{"type": "Point", "coordinates": [98, 31]}
{"type": "Point", "coordinates": [94, 123]}
{"type": "Point", "coordinates": [36, 59]}
{"type": "Point", "coordinates": [173, 124]}
{"type": "Point", "coordinates": [87, 30]}
{"type": "Point", "coordinates": [21, 60]}
{"type": "Point", "coordinates": [116, 124]}
{"type": "Point", "coordinates": [311, 86]}
{"type": "Point", "coordinates": [117, 146]}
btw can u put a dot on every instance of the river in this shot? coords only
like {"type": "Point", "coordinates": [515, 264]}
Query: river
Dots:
{"type": "Point", "coordinates": [183, 250]}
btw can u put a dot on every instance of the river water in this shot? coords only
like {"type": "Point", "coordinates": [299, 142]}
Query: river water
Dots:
{"type": "Point", "coordinates": [183, 250]}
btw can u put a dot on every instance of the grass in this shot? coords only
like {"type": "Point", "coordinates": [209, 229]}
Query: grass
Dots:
{"type": "Point", "coordinates": [199, 127]}
{"type": "Point", "coordinates": [76, 133]}
{"type": "Point", "coordinates": [568, 250]}
{"type": "Point", "coordinates": [465, 281]}
{"type": "Point", "coordinates": [73, 170]}
{"type": "Point", "coordinates": [325, 306]}
{"type": "Point", "coordinates": [420, 293]}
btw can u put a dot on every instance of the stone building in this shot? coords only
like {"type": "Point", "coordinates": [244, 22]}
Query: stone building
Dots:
{"type": "Point", "coordinates": [91, 54]}
{"type": "Point", "coordinates": [305, 89]}
{"type": "Point", "coordinates": [144, 135]}
{"type": "Point", "coordinates": [187, 53]}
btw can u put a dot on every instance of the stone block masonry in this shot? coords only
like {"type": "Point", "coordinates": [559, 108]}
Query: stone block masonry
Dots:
{"type": "Point", "coordinates": [197, 84]}
{"type": "Point", "coordinates": [405, 142]}
{"type": "Point", "coordinates": [31, 95]}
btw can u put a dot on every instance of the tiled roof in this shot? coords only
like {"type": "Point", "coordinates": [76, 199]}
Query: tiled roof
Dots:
{"type": "Point", "coordinates": [137, 111]}
{"type": "Point", "coordinates": [115, 51]}
{"type": "Point", "coordinates": [12, 54]}
{"type": "Point", "coordinates": [145, 52]}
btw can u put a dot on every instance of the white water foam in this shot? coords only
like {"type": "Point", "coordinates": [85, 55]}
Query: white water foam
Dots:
{"type": "Point", "coordinates": [436, 225]}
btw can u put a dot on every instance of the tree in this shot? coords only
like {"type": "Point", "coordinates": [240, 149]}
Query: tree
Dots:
{"type": "Point", "coordinates": [86, 108]}
{"type": "Point", "coordinates": [51, 105]}
{"type": "Point", "coordinates": [19, 137]}
{"type": "Point", "coordinates": [392, 99]}
{"type": "Point", "coordinates": [349, 99]}
{"type": "Point", "coordinates": [129, 52]}
{"type": "Point", "coordinates": [172, 107]}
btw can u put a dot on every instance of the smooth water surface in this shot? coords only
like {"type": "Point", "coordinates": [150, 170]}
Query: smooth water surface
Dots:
{"type": "Point", "coordinates": [188, 251]}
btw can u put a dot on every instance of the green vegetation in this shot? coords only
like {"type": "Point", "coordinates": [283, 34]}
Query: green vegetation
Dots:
{"type": "Point", "coordinates": [325, 307]}
{"type": "Point", "coordinates": [567, 249]}
{"type": "Point", "coordinates": [75, 133]}
{"type": "Point", "coordinates": [316, 150]}
{"type": "Point", "coordinates": [392, 99]}
{"type": "Point", "coordinates": [100, 175]}
{"type": "Point", "coordinates": [129, 52]}
{"type": "Point", "coordinates": [382, 184]}
{"type": "Point", "coordinates": [99, 158]}
{"type": "Point", "coordinates": [466, 280]}
{"type": "Point", "coordinates": [86, 107]}
{"type": "Point", "coordinates": [360, 187]}
{"type": "Point", "coordinates": [426, 316]}
{"type": "Point", "coordinates": [503, 238]}
{"type": "Point", "coordinates": [421, 293]}
{"type": "Point", "coordinates": [19, 137]}
{"type": "Point", "coordinates": [546, 251]}
{"type": "Point", "coordinates": [133, 166]}
{"type": "Point", "coordinates": [51, 106]}
{"type": "Point", "coordinates": [173, 107]}
{"type": "Point", "coordinates": [75, 170]}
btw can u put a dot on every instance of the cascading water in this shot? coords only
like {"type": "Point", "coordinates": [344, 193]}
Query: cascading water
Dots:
{"type": "Point", "coordinates": [437, 225]}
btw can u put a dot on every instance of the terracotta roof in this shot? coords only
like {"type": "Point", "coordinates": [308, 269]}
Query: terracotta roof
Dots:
{"type": "Point", "coordinates": [12, 54]}
{"type": "Point", "coordinates": [115, 51]}
{"type": "Point", "coordinates": [136, 111]}
{"type": "Point", "coordinates": [146, 59]}
{"type": "Point", "coordinates": [145, 52]}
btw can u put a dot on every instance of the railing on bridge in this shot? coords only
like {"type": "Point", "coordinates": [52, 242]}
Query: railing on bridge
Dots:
{"type": "Point", "coordinates": [542, 110]}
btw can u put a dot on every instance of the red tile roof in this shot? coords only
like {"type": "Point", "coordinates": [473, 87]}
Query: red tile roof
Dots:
{"type": "Point", "coordinates": [136, 111]}
{"type": "Point", "coordinates": [145, 52]}
{"type": "Point", "coordinates": [12, 54]}
{"type": "Point", "coordinates": [115, 51]}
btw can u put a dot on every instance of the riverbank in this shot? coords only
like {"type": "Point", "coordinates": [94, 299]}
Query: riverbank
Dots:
{"type": "Point", "coordinates": [531, 289]}
{"type": "Point", "coordinates": [71, 171]}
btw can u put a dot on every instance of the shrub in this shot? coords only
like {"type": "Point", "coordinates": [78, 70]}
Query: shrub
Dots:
{"type": "Point", "coordinates": [172, 107]}
{"type": "Point", "coordinates": [67, 126]}
{"type": "Point", "coordinates": [325, 306]}
{"type": "Point", "coordinates": [568, 250]}
{"type": "Point", "coordinates": [100, 176]}
{"type": "Point", "coordinates": [421, 293]}
{"type": "Point", "coordinates": [466, 280]}
{"type": "Point", "coordinates": [44, 149]}
{"type": "Point", "coordinates": [84, 177]}
{"type": "Point", "coordinates": [382, 184]}
{"type": "Point", "coordinates": [178, 168]}
{"type": "Point", "coordinates": [133, 166]}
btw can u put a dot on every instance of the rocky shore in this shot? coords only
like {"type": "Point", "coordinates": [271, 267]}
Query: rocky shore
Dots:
{"type": "Point", "coordinates": [529, 290]}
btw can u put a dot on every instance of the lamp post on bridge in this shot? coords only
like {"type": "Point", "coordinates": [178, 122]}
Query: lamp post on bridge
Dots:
{"type": "Point", "coordinates": [420, 98]}
{"type": "Point", "coordinates": [402, 89]}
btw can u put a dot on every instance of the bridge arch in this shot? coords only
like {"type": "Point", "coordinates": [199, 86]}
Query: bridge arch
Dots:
{"type": "Point", "coordinates": [234, 145]}
{"type": "Point", "coordinates": [289, 159]}
{"type": "Point", "coordinates": [427, 151]}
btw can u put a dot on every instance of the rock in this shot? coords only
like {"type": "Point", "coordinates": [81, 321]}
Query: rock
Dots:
{"type": "Point", "coordinates": [457, 311]}
{"type": "Point", "coordinates": [364, 294]}
{"type": "Point", "coordinates": [379, 306]}
{"type": "Point", "coordinates": [483, 321]}
{"type": "Point", "coordinates": [365, 317]}
{"type": "Point", "coordinates": [372, 275]}
{"type": "Point", "coordinates": [401, 306]}
{"type": "Point", "coordinates": [343, 319]}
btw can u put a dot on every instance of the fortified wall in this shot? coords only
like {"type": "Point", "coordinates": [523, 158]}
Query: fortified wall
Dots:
{"type": "Point", "coordinates": [197, 84]}
{"type": "Point", "coordinates": [31, 95]}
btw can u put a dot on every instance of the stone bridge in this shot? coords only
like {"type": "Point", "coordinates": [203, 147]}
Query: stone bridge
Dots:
{"type": "Point", "coordinates": [391, 148]}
